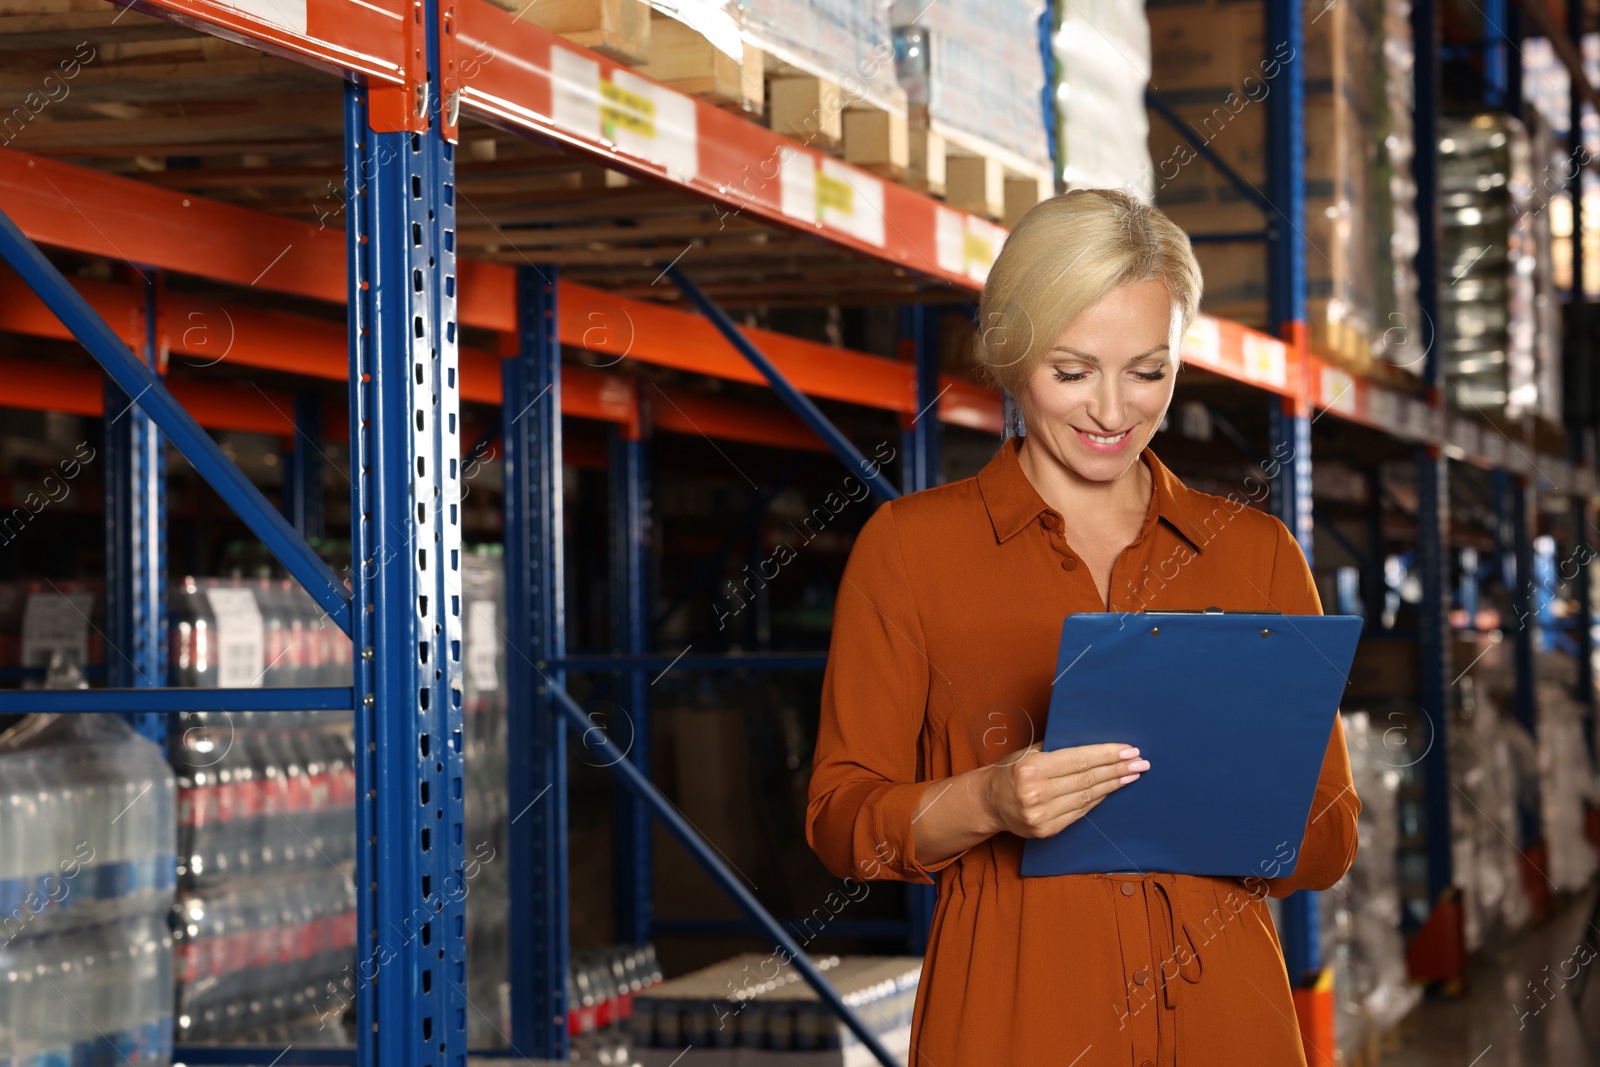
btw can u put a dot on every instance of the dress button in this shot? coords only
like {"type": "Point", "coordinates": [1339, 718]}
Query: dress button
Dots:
{"type": "Point", "coordinates": [1049, 520]}
{"type": "Point", "coordinates": [1127, 889]}
{"type": "Point", "coordinates": [1069, 564]}
{"type": "Point", "coordinates": [1141, 977]}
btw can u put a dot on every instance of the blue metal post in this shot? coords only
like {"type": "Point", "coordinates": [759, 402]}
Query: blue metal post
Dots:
{"type": "Point", "coordinates": [536, 766]}
{"type": "Point", "coordinates": [631, 603]}
{"type": "Point", "coordinates": [1289, 424]}
{"type": "Point", "coordinates": [406, 541]}
{"type": "Point", "coordinates": [919, 437]}
{"type": "Point", "coordinates": [302, 477]}
{"type": "Point", "coordinates": [1432, 467]}
{"type": "Point", "coordinates": [1496, 72]}
{"type": "Point", "coordinates": [136, 537]}
{"type": "Point", "coordinates": [1049, 22]}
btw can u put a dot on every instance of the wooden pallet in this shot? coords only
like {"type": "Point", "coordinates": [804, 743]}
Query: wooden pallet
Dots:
{"type": "Point", "coordinates": [617, 29]}
{"type": "Point", "coordinates": [972, 174]}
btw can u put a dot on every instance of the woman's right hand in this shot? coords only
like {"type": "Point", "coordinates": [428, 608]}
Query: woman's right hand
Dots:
{"type": "Point", "coordinates": [1039, 793]}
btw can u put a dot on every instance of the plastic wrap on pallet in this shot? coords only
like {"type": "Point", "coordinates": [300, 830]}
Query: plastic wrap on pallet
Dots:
{"type": "Point", "coordinates": [484, 757]}
{"type": "Point", "coordinates": [1399, 341]}
{"type": "Point", "coordinates": [981, 71]}
{"type": "Point", "coordinates": [715, 20]}
{"type": "Point", "coordinates": [1487, 258]}
{"type": "Point", "coordinates": [754, 1008]}
{"type": "Point", "coordinates": [1492, 768]}
{"type": "Point", "coordinates": [1213, 67]}
{"type": "Point", "coordinates": [846, 41]}
{"type": "Point", "coordinates": [1567, 779]}
{"type": "Point", "coordinates": [1102, 55]}
{"type": "Point", "coordinates": [86, 879]}
{"type": "Point", "coordinates": [1362, 911]}
{"type": "Point", "coordinates": [1546, 87]}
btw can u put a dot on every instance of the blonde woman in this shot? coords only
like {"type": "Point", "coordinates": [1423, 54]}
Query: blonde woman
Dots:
{"type": "Point", "coordinates": [939, 673]}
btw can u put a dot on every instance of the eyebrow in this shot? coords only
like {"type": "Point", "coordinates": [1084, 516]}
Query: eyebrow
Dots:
{"type": "Point", "coordinates": [1096, 359]}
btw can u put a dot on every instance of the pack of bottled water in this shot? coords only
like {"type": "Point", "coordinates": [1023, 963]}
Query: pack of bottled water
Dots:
{"type": "Point", "coordinates": [87, 871]}
{"type": "Point", "coordinates": [755, 1010]}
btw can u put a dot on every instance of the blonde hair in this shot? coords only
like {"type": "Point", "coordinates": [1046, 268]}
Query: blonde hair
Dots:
{"type": "Point", "coordinates": [1066, 253]}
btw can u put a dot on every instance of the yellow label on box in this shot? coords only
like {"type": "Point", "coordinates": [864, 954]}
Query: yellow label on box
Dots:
{"type": "Point", "coordinates": [835, 194]}
{"type": "Point", "coordinates": [626, 111]}
{"type": "Point", "coordinates": [976, 249]}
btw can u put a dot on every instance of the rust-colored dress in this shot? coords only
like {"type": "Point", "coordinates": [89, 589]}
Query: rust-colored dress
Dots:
{"type": "Point", "coordinates": [944, 644]}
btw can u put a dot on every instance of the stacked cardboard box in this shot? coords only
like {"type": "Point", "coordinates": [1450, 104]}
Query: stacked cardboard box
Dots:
{"type": "Point", "coordinates": [1212, 62]}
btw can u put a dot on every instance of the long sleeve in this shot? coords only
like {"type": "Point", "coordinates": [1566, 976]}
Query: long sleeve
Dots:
{"type": "Point", "coordinates": [864, 785]}
{"type": "Point", "coordinates": [1329, 846]}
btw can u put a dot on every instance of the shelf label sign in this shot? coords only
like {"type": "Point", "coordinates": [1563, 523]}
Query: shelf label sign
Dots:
{"type": "Point", "coordinates": [241, 638]}
{"type": "Point", "coordinates": [622, 110]}
{"type": "Point", "coordinates": [1338, 391]}
{"type": "Point", "coordinates": [818, 190]}
{"type": "Point", "coordinates": [1203, 342]}
{"type": "Point", "coordinates": [56, 622]}
{"type": "Point", "coordinates": [290, 14]}
{"type": "Point", "coordinates": [964, 244]}
{"type": "Point", "coordinates": [1266, 360]}
{"type": "Point", "coordinates": [626, 110]}
{"type": "Point", "coordinates": [850, 201]}
{"type": "Point", "coordinates": [835, 195]}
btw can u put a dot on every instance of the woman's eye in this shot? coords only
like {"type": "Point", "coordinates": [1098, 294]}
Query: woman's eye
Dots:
{"type": "Point", "coordinates": [1150, 375]}
{"type": "Point", "coordinates": [1065, 376]}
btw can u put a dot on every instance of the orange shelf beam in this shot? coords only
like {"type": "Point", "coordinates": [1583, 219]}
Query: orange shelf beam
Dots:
{"type": "Point", "coordinates": [85, 211]}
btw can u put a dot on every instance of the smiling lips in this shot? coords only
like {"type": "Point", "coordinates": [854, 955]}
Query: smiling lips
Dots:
{"type": "Point", "coordinates": [1105, 442]}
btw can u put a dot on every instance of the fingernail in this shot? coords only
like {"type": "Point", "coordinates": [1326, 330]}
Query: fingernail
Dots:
{"type": "Point", "coordinates": [1139, 765]}
{"type": "Point", "coordinates": [1127, 753]}
{"type": "Point", "coordinates": [1126, 778]}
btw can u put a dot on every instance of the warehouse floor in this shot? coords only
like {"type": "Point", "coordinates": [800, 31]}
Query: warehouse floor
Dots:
{"type": "Point", "coordinates": [1499, 1022]}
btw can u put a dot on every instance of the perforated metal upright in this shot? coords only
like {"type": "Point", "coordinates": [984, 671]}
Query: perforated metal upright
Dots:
{"type": "Point", "coordinates": [406, 538]}
{"type": "Point", "coordinates": [536, 768]}
{"type": "Point", "coordinates": [1432, 466]}
{"type": "Point", "coordinates": [136, 534]}
{"type": "Point", "coordinates": [631, 603]}
{"type": "Point", "coordinates": [1288, 417]}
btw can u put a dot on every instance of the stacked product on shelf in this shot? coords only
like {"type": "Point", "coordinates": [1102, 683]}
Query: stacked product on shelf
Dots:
{"type": "Point", "coordinates": [1399, 340]}
{"type": "Point", "coordinates": [1567, 779]}
{"type": "Point", "coordinates": [1487, 259]}
{"type": "Point", "coordinates": [484, 757]}
{"type": "Point", "coordinates": [1493, 764]}
{"type": "Point", "coordinates": [264, 924]}
{"type": "Point", "coordinates": [601, 982]}
{"type": "Point", "coordinates": [1213, 66]}
{"type": "Point", "coordinates": [974, 79]}
{"type": "Point", "coordinates": [1102, 56]}
{"type": "Point", "coordinates": [754, 1008]}
{"type": "Point", "coordinates": [86, 881]}
{"type": "Point", "coordinates": [1546, 88]}
{"type": "Point", "coordinates": [1361, 914]}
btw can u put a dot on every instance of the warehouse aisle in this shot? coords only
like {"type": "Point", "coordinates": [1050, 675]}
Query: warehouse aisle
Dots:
{"type": "Point", "coordinates": [1499, 1023]}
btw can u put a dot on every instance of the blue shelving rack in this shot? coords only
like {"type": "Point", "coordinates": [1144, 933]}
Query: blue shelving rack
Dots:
{"type": "Point", "coordinates": [400, 598]}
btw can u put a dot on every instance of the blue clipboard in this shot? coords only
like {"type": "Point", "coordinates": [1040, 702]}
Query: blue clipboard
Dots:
{"type": "Point", "coordinates": [1233, 711]}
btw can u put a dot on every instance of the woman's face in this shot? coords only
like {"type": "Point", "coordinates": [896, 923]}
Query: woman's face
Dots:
{"type": "Point", "coordinates": [1102, 389]}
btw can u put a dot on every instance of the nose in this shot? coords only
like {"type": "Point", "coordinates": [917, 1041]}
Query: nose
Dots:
{"type": "Point", "coordinates": [1107, 404]}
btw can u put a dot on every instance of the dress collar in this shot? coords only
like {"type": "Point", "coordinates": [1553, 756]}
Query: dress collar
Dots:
{"type": "Point", "coordinates": [1013, 502]}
